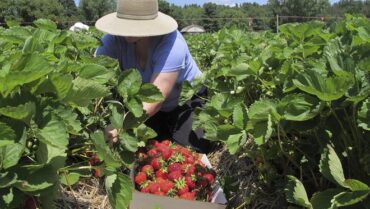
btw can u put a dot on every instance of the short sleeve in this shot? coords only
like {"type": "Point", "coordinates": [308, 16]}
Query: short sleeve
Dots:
{"type": "Point", "coordinates": [170, 55]}
{"type": "Point", "coordinates": [108, 47]}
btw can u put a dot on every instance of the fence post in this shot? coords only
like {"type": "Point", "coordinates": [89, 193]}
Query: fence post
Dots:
{"type": "Point", "coordinates": [277, 23]}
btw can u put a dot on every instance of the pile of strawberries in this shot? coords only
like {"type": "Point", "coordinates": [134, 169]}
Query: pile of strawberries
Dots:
{"type": "Point", "coordinates": [169, 169]}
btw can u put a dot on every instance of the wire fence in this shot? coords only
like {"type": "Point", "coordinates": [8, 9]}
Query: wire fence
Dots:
{"type": "Point", "coordinates": [251, 21]}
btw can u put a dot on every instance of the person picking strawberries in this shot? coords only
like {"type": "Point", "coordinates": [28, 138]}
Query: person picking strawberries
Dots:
{"type": "Point", "coordinates": [141, 37]}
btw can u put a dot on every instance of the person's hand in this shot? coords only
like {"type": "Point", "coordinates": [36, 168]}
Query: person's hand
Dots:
{"type": "Point", "coordinates": [111, 135]}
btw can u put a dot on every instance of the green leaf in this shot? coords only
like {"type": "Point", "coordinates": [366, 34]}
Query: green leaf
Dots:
{"type": "Point", "coordinates": [7, 179]}
{"type": "Point", "coordinates": [262, 131]}
{"type": "Point", "coordinates": [131, 122]}
{"type": "Point", "coordinates": [70, 178]}
{"type": "Point", "coordinates": [356, 185]}
{"type": "Point", "coordinates": [29, 45]}
{"type": "Point", "coordinates": [70, 119]}
{"type": "Point", "coordinates": [8, 198]}
{"type": "Point", "coordinates": [241, 71]}
{"type": "Point", "coordinates": [84, 91]}
{"type": "Point", "coordinates": [22, 112]}
{"type": "Point", "coordinates": [103, 150]}
{"type": "Point", "coordinates": [302, 31]}
{"type": "Point", "coordinates": [149, 93]}
{"type": "Point", "coordinates": [96, 73]}
{"type": "Point", "coordinates": [27, 69]}
{"type": "Point", "coordinates": [187, 92]}
{"type": "Point", "coordinates": [224, 103]}
{"type": "Point", "coordinates": [128, 141]}
{"type": "Point", "coordinates": [36, 184]}
{"type": "Point", "coordinates": [262, 110]}
{"type": "Point", "coordinates": [233, 143]}
{"type": "Point", "coordinates": [208, 123]}
{"type": "Point", "coordinates": [119, 188]}
{"type": "Point", "coordinates": [54, 133]}
{"type": "Point", "coordinates": [48, 154]}
{"type": "Point", "coordinates": [296, 193]}
{"type": "Point", "coordinates": [46, 24]}
{"type": "Point", "coordinates": [224, 131]}
{"type": "Point", "coordinates": [323, 200]}
{"type": "Point", "coordinates": [116, 119]}
{"type": "Point", "coordinates": [144, 132]}
{"type": "Point", "coordinates": [136, 107]}
{"type": "Point", "coordinates": [130, 83]}
{"type": "Point", "coordinates": [325, 88]}
{"type": "Point", "coordinates": [240, 116]}
{"type": "Point", "coordinates": [363, 118]}
{"type": "Point", "coordinates": [262, 116]}
{"type": "Point", "coordinates": [299, 107]}
{"type": "Point", "coordinates": [16, 34]}
{"type": "Point", "coordinates": [331, 167]}
{"type": "Point", "coordinates": [11, 154]}
{"type": "Point", "coordinates": [350, 198]}
{"type": "Point", "coordinates": [7, 135]}
{"type": "Point", "coordinates": [62, 84]}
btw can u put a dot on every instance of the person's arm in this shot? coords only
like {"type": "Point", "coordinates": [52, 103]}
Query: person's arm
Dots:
{"type": "Point", "coordinates": [165, 83]}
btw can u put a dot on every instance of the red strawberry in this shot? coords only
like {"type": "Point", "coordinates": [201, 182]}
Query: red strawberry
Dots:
{"type": "Point", "coordinates": [145, 189]}
{"type": "Point", "coordinates": [156, 163]}
{"type": "Point", "coordinates": [190, 170]}
{"type": "Point", "coordinates": [210, 178]}
{"type": "Point", "coordinates": [183, 190]}
{"type": "Point", "coordinates": [165, 152]}
{"type": "Point", "coordinates": [94, 160]}
{"type": "Point", "coordinates": [174, 167]}
{"type": "Point", "coordinates": [161, 174]}
{"type": "Point", "coordinates": [190, 182]}
{"type": "Point", "coordinates": [185, 151]}
{"type": "Point", "coordinates": [160, 180]}
{"type": "Point", "coordinates": [174, 175]}
{"type": "Point", "coordinates": [147, 169]}
{"type": "Point", "coordinates": [188, 196]}
{"type": "Point", "coordinates": [152, 152]}
{"type": "Point", "coordinates": [140, 178]}
{"type": "Point", "coordinates": [154, 187]}
{"type": "Point", "coordinates": [97, 173]}
{"type": "Point", "coordinates": [181, 186]}
{"type": "Point", "coordinates": [166, 142]}
{"type": "Point", "coordinates": [189, 159]}
{"type": "Point", "coordinates": [166, 186]}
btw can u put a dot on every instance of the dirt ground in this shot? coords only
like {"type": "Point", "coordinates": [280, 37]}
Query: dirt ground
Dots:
{"type": "Point", "coordinates": [245, 192]}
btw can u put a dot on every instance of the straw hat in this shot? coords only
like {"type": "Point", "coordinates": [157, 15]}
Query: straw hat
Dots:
{"type": "Point", "coordinates": [137, 18]}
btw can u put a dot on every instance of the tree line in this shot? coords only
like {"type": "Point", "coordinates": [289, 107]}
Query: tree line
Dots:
{"type": "Point", "coordinates": [249, 16]}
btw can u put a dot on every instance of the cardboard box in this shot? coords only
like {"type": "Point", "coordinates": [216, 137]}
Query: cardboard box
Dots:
{"type": "Point", "coordinates": [149, 201]}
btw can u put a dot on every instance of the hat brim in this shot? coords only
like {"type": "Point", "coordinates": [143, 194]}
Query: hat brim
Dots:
{"type": "Point", "coordinates": [161, 25]}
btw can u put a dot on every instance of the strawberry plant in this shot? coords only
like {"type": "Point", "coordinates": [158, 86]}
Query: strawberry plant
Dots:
{"type": "Point", "coordinates": [55, 98]}
{"type": "Point", "coordinates": [292, 94]}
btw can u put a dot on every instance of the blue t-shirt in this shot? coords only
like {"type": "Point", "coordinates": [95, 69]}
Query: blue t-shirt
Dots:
{"type": "Point", "coordinates": [166, 53]}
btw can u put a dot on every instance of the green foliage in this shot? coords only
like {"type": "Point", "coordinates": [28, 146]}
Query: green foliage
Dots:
{"type": "Point", "coordinates": [55, 99]}
{"type": "Point", "coordinates": [293, 93]}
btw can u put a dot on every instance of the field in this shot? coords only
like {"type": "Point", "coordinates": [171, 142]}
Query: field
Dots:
{"type": "Point", "coordinates": [288, 113]}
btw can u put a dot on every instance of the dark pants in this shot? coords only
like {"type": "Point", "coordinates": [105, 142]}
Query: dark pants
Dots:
{"type": "Point", "coordinates": [177, 126]}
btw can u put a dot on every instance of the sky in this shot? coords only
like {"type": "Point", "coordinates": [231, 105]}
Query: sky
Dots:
{"type": "Point", "coordinates": [222, 2]}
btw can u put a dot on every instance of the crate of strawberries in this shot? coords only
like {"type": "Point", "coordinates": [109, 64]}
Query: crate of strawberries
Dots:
{"type": "Point", "coordinates": [166, 174]}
